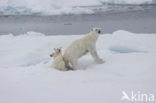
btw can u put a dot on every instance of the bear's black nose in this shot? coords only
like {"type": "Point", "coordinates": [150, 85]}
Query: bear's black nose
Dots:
{"type": "Point", "coordinates": [51, 55]}
{"type": "Point", "coordinates": [99, 31]}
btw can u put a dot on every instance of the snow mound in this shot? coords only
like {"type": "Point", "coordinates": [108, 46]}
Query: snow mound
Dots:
{"type": "Point", "coordinates": [120, 49]}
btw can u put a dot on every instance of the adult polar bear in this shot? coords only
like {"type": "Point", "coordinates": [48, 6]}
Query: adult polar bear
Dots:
{"type": "Point", "coordinates": [80, 47]}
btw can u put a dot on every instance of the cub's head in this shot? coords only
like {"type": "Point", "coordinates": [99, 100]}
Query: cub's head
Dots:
{"type": "Point", "coordinates": [96, 30]}
{"type": "Point", "coordinates": [56, 52]}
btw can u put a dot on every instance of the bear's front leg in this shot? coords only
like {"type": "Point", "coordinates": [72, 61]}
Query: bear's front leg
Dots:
{"type": "Point", "coordinates": [95, 55]}
{"type": "Point", "coordinates": [100, 61]}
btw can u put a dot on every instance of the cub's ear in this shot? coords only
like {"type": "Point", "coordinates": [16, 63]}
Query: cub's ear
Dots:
{"type": "Point", "coordinates": [55, 49]}
{"type": "Point", "coordinates": [59, 49]}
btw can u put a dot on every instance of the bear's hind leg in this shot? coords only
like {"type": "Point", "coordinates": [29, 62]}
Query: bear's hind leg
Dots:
{"type": "Point", "coordinates": [74, 64]}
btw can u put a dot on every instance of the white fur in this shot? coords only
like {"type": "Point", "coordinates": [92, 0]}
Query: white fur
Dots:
{"type": "Point", "coordinates": [58, 62]}
{"type": "Point", "coordinates": [80, 47]}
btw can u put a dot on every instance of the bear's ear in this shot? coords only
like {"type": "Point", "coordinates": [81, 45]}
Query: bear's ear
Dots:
{"type": "Point", "coordinates": [60, 49]}
{"type": "Point", "coordinates": [55, 49]}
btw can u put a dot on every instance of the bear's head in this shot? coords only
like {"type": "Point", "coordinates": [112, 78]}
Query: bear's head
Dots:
{"type": "Point", "coordinates": [96, 30]}
{"type": "Point", "coordinates": [56, 52]}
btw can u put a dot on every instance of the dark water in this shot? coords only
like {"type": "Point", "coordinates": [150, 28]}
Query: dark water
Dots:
{"type": "Point", "coordinates": [137, 21]}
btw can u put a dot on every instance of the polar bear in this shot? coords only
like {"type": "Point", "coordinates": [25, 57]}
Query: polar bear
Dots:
{"type": "Point", "coordinates": [82, 46]}
{"type": "Point", "coordinates": [58, 62]}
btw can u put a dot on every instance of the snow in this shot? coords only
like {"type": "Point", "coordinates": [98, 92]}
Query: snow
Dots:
{"type": "Point", "coordinates": [128, 1]}
{"type": "Point", "coordinates": [58, 7]}
{"type": "Point", "coordinates": [26, 75]}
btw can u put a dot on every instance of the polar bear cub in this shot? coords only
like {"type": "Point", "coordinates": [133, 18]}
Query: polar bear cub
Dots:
{"type": "Point", "coordinates": [82, 46]}
{"type": "Point", "coordinates": [58, 62]}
